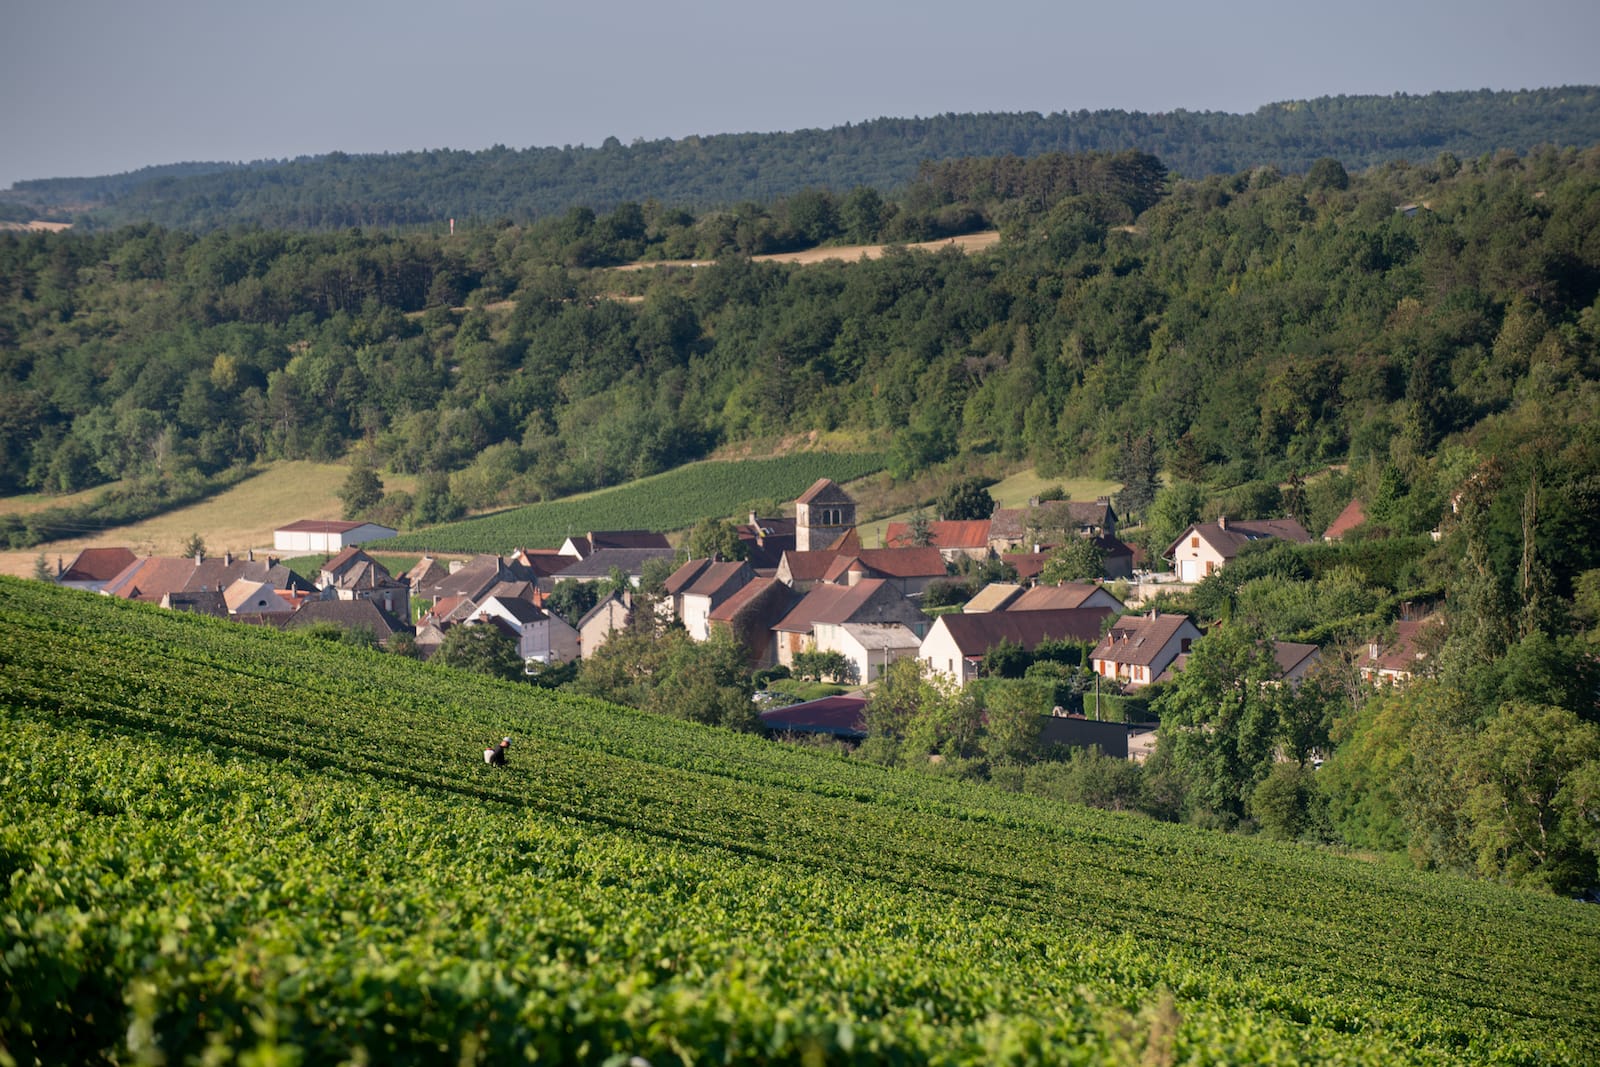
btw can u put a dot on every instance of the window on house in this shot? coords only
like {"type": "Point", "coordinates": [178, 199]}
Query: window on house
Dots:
{"type": "Point", "coordinates": [1184, 646]}
{"type": "Point", "coordinates": [1194, 542]}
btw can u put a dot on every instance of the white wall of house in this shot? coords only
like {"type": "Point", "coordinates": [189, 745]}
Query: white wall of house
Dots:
{"type": "Point", "coordinates": [1136, 676]}
{"type": "Point", "coordinates": [697, 615]}
{"type": "Point", "coordinates": [1194, 558]}
{"type": "Point", "coordinates": [869, 663]}
{"type": "Point", "coordinates": [940, 652]}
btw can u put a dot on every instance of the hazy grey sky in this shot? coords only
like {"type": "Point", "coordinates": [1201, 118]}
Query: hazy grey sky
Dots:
{"type": "Point", "coordinates": [91, 87]}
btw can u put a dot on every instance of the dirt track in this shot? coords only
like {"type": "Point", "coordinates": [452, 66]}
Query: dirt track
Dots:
{"type": "Point", "coordinates": [971, 242]}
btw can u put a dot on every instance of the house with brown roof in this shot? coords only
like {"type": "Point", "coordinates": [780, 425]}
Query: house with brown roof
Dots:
{"type": "Point", "coordinates": [348, 615]}
{"type": "Point", "coordinates": [819, 619]}
{"type": "Point", "coordinates": [1049, 522]}
{"type": "Point", "coordinates": [154, 578]}
{"type": "Point", "coordinates": [1064, 596]}
{"type": "Point", "coordinates": [1399, 660]}
{"type": "Point", "coordinates": [1352, 516]}
{"type": "Point", "coordinates": [957, 642]}
{"type": "Point", "coordinates": [1138, 648]}
{"type": "Point", "coordinates": [955, 539]}
{"type": "Point", "coordinates": [1028, 565]}
{"type": "Point", "coordinates": [751, 613]}
{"type": "Point", "coordinates": [354, 575]}
{"type": "Point", "coordinates": [92, 568]}
{"type": "Point", "coordinates": [992, 597]}
{"type": "Point", "coordinates": [310, 536]}
{"type": "Point", "coordinates": [909, 570]}
{"type": "Point", "coordinates": [699, 586]}
{"type": "Point", "coordinates": [541, 563]}
{"type": "Point", "coordinates": [1204, 547]}
{"type": "Point", "coordinates": [472, 579]}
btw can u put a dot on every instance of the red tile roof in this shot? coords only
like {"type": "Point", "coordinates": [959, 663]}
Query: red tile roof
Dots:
{"type": "Point", "coordinates": [1352, 516]}
{"type": "Point", "coordinates": [97, 565]}
{"type": "Point", "coordinates": [952, 534]}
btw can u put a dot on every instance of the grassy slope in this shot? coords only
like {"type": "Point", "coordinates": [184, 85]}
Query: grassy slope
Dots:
{"type": "Point", "coordinates": [239, 518]}
{"type": "Point", "coordinates": [1013, 491]}
{"type": "Point", "coordinates": [938, 918]}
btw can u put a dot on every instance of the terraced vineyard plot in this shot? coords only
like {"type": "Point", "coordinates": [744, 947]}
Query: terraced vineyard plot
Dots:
{"type": "Point", "coordinates": [215, 835]}
{"type": "Point", "coordinates": [675, 500]}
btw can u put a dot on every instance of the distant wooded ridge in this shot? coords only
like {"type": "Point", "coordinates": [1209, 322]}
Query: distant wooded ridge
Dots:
{"type": "Point", "coordinates": [423, 188]}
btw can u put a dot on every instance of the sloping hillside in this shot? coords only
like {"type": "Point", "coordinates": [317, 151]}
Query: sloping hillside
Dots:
{"type": "Point", "coordinates": [222, 838]}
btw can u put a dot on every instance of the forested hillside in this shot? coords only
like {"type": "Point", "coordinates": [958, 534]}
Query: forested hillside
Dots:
{"type": "Point", "coordinates": [222, 842]}
{"type": "Point", "coordinates": [1408, 320]}
{"type": "Point", "coordinates": [424, 188]}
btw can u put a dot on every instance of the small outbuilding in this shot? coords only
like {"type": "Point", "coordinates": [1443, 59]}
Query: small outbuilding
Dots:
{"type": "Point", "coordinates": [310, 536]}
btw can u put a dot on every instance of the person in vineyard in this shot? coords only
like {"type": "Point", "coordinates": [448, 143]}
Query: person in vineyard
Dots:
{"type": "Point", "coordinates": [496, 757]}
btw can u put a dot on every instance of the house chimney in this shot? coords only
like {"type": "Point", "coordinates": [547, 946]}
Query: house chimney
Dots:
{"type": "Point", "coordinates": [250, 554]}
{"type": "Point", "coordinates": [199, 558]}
{"type": "Point", "coordinates": [1222, 522]}
{"type": "Point", "coordinates": [60, 568]}
{"type": "Point", "coordinates": [227, 558]}
{"type": "Point", "coordinates": [1152, 615]}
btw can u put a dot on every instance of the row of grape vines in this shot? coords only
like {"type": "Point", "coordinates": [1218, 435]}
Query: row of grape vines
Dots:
{"type": "Point", "coordinates": [675, 500]}
{"type": "Point", "coordinates": [218, 840]}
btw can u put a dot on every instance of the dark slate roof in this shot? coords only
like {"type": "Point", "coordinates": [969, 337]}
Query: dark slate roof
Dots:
{"type": "Point", "coordinates": [524, 611]}
{"type": "Point", "coordinates": [599, 563]}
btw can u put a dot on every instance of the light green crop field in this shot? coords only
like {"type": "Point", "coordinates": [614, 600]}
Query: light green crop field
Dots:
{"type": "Point", "coordinates": [221, 843]}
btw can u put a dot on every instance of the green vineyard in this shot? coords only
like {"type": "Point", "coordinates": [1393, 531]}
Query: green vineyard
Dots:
{"type": "Point", "coordinates": [223, 844]}
{"type": "Point", "coordinates": [674, 500]}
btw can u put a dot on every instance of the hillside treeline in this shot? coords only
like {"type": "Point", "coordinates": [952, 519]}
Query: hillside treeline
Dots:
{"type": "Point", "coordinates": [1240, 329]}
{"type": "Point", "coordinates": [424, 188]}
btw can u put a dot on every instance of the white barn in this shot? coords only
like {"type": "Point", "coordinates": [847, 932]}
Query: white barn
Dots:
{"type": "Point", "coordinates": [310, 536]}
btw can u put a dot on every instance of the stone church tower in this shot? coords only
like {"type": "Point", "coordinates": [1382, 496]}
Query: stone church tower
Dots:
{"type": "Point", "coordinates": [821, 515]}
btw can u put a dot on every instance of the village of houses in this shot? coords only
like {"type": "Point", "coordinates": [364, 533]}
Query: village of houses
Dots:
{"type": "Point", "coordinates": [807, 585]}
